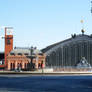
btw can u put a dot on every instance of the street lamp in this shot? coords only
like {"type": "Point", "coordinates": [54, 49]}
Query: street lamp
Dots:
{"type": "Point", "coordinates": [31, 56]}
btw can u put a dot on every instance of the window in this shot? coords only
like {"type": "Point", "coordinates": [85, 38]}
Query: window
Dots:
{"type": "Point", "coordinates": [19, 53]}
{"type": "Point", "coordinates": [8, 41]}
{"type": "Point", "coordinates": [26, 54]}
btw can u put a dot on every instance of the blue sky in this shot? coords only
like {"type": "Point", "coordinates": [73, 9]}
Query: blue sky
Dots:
{"type": "Point", "coordinates": [44, 22]}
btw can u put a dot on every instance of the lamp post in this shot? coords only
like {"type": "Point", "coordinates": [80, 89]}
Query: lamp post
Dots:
{"type": "Point", "coordinates": [31, 57]}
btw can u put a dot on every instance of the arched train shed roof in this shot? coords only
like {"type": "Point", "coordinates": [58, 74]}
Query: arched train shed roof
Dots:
{"type": "Point", "coordinates": [73, 40]}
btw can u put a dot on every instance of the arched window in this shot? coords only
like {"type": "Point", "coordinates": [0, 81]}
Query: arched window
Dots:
{"type": "Point", "coordinates": [20, 65]}
{"type": "Point", "coordinates": [25, 65]}
{"type": "Point", "coordinates": [13, 66]}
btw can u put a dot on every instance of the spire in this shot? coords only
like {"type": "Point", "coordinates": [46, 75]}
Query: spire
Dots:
{"type": "Point", "coordinates": [82, 30]}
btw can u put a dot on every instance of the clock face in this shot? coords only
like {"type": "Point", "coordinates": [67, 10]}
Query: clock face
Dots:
{"type": "Point", "coordinates": [9, 31]}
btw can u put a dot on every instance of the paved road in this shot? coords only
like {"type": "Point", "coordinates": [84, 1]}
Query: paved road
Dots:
{"type": "Point", "coordinates": [45, 83]}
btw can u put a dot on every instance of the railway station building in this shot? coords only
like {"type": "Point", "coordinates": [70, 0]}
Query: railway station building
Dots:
{"type": "Point", "coordinates": [72, 52]}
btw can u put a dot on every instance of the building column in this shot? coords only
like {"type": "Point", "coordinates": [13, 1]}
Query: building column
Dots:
{"type": "Point", "coordinates": [44, 63]}
{"type": "Point", "coordinates": [36, 64]}
{"type": "Point", "coordinates": [15, 64]}
{"type": "Point", "coordinates": [23, 65]}
{"type": "Point", "coordinates": [8, 65]}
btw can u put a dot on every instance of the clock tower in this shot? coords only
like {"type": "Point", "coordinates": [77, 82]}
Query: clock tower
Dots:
{"type": "Point", "coordinates": [8, 41]}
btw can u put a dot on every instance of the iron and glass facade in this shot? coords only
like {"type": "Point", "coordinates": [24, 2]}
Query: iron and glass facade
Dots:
{"type": "Point", "coordinates": [69, 52]}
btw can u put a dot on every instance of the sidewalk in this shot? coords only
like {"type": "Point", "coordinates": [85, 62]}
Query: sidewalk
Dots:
{"type": "Point", "coordinates": [42, 72]}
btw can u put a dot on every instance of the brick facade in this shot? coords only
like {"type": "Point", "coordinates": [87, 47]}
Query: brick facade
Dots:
{"type": "Point", "coordinates": [15, 61]}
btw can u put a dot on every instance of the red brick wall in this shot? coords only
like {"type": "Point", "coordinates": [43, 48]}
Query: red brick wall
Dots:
{"type": "Point", "coordinates": [23, 60]}
{"type": "Point", "coordinates": [8, 45]}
